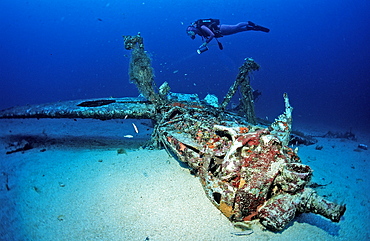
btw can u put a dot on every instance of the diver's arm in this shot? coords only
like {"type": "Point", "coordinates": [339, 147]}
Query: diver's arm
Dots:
{"type": "Point", "coordinates": [209, 35]}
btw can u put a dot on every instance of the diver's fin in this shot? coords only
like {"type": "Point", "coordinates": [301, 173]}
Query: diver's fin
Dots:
{"type": "Point", "coordinates": [253, 26]}
{"type": "Point", "coordinates": [260, 28]}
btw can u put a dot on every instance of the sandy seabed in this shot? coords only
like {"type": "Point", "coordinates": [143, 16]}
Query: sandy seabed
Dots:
{"type": "Point", "coordinates": [83, 180]}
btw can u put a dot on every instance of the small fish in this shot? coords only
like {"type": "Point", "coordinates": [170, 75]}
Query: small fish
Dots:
{"type": "Point", "coordinates": [136, 130]}
{"type": "Point", "coordinates": [246, 232]}
{"type": "Point", "coordinates": [128, 136]}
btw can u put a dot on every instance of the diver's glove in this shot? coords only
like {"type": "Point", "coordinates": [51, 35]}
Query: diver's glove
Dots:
{"type": "Point", "coordinates": [203, 48]}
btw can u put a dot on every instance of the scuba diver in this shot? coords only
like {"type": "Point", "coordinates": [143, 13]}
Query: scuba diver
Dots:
{"type": "Point", "coordinates": [211, 28]}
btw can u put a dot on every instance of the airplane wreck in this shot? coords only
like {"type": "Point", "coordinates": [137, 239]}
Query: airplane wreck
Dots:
{"type": "Point", "coordinates": [247, 169]}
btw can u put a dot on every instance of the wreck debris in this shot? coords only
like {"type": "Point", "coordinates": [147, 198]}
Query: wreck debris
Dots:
{"type": "Point", "coordinates": [283, 124]}
{"type": "Point", "coordinates": [279, 210]}
{"type": "Point", "coordinates": [20, 146]}
{"type": "Point", "coordinates": [316, 185]}
{"type": "Point", "coordinates": [96, 103]}
{"type": "Point", "coordinates": [362, 146]}
{"type": "Point", "coordinates": [299, 138]}
{"type": "Point", "coordinates": [247, 170]}
{"type": "Point", "coordinates": [242, 80]}
{"type": "Point", "coordinates": [319, 147]}
{"type": "Point", "coordinates": [164, 89]}
{"type": "Point", "coordinates": [133, 42]}
{"type": "Point", "coordinates": [346, 135]}
{"type": "Point", "coordinates": [141, 71]}
{"type": "Point", "coordinates": [131, 107]}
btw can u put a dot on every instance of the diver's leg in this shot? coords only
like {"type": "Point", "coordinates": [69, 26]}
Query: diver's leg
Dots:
{"type": "Point", "coordinates": [241, 27]}
{"type": "Point", "coordinates": [246, 26]}
{"type": "Point", "coordinates": [231, 29]}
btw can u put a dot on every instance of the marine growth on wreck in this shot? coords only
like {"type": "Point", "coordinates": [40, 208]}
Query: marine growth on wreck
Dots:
{"type": "Point", "coordinates": [247, 169]}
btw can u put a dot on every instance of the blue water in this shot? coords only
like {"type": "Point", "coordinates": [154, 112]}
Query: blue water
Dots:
{"type": "Point", "coordinates": [317, 51]}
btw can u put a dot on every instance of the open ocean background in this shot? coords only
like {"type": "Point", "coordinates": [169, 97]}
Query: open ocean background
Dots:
{"type": "Point", "coordinates": [317, 51]}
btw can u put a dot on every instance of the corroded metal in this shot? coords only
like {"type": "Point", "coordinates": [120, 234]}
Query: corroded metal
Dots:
{"type": "Point", "coordinates": [247, 169]}
{"type": "Point", "coordinates": [243, 82]}
{"type": "Point", "coordinates": [132, 42]}
{"type": "Point", "coordinates": [103, 109]}
{"type": "Point", "coordinates": [141, 71]}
